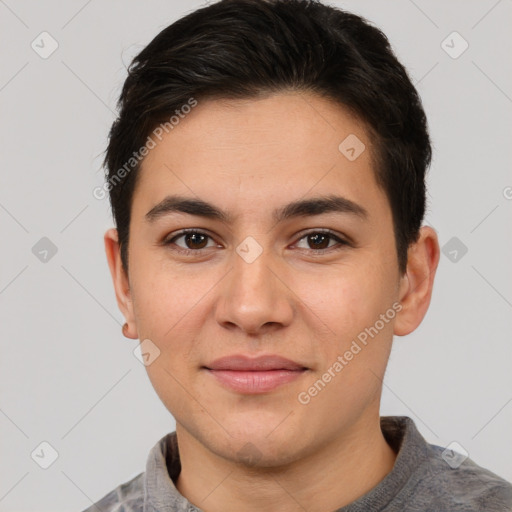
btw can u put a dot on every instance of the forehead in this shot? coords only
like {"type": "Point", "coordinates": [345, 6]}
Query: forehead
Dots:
{"type": "Point", "coordinates": [254, 153]}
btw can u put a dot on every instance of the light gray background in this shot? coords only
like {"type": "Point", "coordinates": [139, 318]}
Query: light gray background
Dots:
{"type": "Point", "coordinates": [69, 377]}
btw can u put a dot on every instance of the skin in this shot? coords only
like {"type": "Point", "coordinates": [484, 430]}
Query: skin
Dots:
{"type": "Point", "coordinates": [248, 157]}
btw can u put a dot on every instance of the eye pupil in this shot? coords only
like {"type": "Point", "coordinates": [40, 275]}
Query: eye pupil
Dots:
{"type": "Point", "coordinates": [315, 237]}
{"type": "Point", "coordinates": [194, 236]}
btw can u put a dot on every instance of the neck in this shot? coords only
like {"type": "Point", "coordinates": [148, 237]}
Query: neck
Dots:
{"type": "Point", "coordinates": [335, 475]}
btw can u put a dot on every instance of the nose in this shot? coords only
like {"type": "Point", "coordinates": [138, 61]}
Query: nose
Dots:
{"type": "Point", "coordinates": [254, 297]}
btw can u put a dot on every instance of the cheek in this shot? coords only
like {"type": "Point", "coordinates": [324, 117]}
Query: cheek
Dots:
{"type": "Point", "coordinates": [162, 299]}
{"type": "Point", "coordinates": [355, 357]}
{"type": "Point", "coordinates": [347, 300]}
{"type": "Point", "coordinates": [166, 311]}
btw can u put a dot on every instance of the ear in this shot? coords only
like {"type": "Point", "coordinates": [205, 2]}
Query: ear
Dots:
{"type": "Point", "coordinates": [417, 283]}
{"type": "Point", "coordinates": [120, 280]}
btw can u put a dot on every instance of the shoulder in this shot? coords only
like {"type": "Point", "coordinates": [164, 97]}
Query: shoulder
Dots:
{"type": "Point", "coordinates": [427, 477]}
{"type": "Point", "coordinates": [127, 497]}
{"type": "Point", "coordinates": [458, 482]}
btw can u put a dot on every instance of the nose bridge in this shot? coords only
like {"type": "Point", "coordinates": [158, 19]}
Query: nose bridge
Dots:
{"type": "Point", "coordinates": [254, 296]}
{"type": "Point", "coordinates": [252, 267]}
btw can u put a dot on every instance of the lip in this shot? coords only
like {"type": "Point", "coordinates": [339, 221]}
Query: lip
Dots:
{"type": "Point", "coordinates": [248, 375]}
{"type": "Point", "coordinates": [239, 362]}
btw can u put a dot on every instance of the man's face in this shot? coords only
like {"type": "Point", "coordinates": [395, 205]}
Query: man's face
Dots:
{"type": "Point", "coordinates": [256, 285]}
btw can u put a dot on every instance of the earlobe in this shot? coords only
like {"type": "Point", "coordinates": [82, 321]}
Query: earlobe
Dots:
{"type": "Point", "coordinates": [417, 283]}
{"type": "Point", "coordinates": [120, 281]}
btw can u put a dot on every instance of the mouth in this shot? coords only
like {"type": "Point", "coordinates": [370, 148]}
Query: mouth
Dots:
{"type": "Point", "coordinates": [247, 375]}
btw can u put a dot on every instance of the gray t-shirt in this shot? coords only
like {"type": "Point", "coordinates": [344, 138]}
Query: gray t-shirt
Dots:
{"type": "Point", "coordinates": [422, 479]}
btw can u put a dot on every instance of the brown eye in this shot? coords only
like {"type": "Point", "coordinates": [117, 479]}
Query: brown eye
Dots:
{"type": "Point", "coordinates": [318, 241]}
{"type": "Point", "coordinates": [194, 241]}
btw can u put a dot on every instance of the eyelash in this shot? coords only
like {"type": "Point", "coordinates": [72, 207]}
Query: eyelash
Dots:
{"type": "Point", "coordinates": [187, 252]}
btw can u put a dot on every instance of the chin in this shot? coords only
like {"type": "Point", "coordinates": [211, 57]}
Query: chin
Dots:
{"type": "Point", "coordinates": [263, 453]}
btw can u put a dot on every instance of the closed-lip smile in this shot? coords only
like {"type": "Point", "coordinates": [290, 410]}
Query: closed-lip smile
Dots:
{"type": "Point", "coordinates": [252, 375]}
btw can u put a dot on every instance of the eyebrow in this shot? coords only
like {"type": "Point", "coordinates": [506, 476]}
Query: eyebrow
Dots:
{"type": "Point", "coordinates": [300, 208]}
